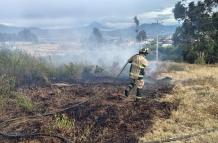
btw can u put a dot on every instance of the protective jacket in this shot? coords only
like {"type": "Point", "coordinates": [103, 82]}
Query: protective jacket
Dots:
{"type": "Point", "coordinates": [138, 64]}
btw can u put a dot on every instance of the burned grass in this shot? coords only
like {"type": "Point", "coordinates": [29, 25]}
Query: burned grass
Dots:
{"type": "Point", "coordinates": [101, 114]}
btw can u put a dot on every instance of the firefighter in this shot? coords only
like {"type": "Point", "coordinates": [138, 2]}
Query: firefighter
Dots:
{"type": "Point", "coordinates": [137, 70]}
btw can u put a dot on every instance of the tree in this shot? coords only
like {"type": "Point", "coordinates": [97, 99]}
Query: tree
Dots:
{"type": "Point", "coordinates": [27, 35]}
{"type": "Point", "coordinates": [137, 23]}
{"type": "Point", "coordinates": [198, 32]}
{"type": "Point", "coordinates": [179, 11]}
{"type": "Point", "coordinates": [97, 35]}
{"type": "Point", "coordinates": [141, 36]}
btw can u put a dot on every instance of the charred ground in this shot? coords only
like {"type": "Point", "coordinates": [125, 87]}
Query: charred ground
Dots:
{"type": "Point", "coordinates": [93, 110]}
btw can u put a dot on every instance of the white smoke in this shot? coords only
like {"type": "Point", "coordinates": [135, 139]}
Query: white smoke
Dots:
{"type": "Point", "coordinates": [105, 55]}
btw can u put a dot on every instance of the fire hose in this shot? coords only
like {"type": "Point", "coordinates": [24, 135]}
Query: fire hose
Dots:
{"type": "Point", "coordinates": [33, 135]}
{"type": "Point", "coordinates": [122, 69]}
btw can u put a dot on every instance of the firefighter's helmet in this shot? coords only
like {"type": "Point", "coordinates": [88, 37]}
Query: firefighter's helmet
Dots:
{"type": "Point", "coordinates": [143, 51]}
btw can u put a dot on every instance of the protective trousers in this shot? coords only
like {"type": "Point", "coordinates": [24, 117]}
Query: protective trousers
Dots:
{"type": "Point", "coordinates": [138, 83]}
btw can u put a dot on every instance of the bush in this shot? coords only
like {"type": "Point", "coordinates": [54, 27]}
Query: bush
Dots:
{"type": "Point", "coordinates": [63, 123]}
{"type": "Point", "coordinates": [73, 70]}
{"type": "Point", "coordinates": [24, 68]}
{"type": "Point", "coordinates": [30, 71]}
{"type": "Point", "coordinates": [25, 103]}
{"type": "Point", "coordinates": [171, 53]}
{"type": "Point", "coordinates": [200, 60]}
{"type": "Point", "coordinates": [7, 85]}
{"type": "Point", "coordinates": [98, 69]}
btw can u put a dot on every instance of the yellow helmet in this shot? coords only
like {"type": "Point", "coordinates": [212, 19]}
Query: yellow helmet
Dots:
{"type": "Point", "coordinates": [143, 51]}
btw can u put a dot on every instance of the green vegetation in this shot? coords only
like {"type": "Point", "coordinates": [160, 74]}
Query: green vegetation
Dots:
{"type": "Point", "coordinates": [7, 85]}
{"type": "Point", "coordinates": [197, 36]}
{"type": "Point", "coordinates": [23, 67]}
{"type": "Point", "coordinates": [62, 122]}
{"type": "Point", "coordinates": [98, 69]}
{"type": "Point", "coordinates": [171, 53]}
{"type": "Point", "coordinates": [7, 88]}
{"type": "Point", "coordinates": [27, 70]}
{"type": "Point", "coordinates": [7, 92]}
{"type": "Point", "coordinates": [25, 103]}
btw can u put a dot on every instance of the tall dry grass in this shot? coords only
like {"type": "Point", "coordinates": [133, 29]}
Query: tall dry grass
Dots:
{"type": "Point", "coordinates": [197, 92]}
{"type": "Point", "coordinates": [31, 71]}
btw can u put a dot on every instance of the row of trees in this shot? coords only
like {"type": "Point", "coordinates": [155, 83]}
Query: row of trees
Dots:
{"type": "Point", "coordinates": [24, 35]}
{"type": "Point", "coordinates": [198, 34]}
{"type": "Point", "coordinates": [140, 33]}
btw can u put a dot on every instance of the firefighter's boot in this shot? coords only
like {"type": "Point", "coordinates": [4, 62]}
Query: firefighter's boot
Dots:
{"type": "Point", "coordinates": [128, 89]}
{"type": "Point", "coordinates": [138, 94]}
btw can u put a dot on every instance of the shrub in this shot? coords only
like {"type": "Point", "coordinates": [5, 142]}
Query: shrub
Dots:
{"type": "Point", "coordinates": [73, 70]}
{"type": "Point", "coordinates": [7, 85]}
{"type": "Point", "coordinates": [63, 123]}
{"type": "Point", "coordinates": [24, 68]}
{"type": "Point", "coordinates": [28, 70]}
{"type": "Point", "coordinates": [98, 69]}
{"type": "Point", "coordinates": [200, 60]}
{"type": "Point", "coordinates": [25, 103]}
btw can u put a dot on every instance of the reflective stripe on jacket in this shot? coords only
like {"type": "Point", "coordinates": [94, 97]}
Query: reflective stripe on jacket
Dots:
{"type": "Point", "coordinates": [138, 64]}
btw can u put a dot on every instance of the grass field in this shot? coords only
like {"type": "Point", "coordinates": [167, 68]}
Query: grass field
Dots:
{"type": "Point", "coordinates": [197, 92]}
{"type": "Point", "coordinates": [190, 107]}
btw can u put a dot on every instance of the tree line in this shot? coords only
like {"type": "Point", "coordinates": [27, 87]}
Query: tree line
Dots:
{"type": "Point", "coordinates": [24, 35]}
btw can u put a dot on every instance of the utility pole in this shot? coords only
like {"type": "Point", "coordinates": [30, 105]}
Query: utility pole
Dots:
{"type": "Point", "coordinates": [157, 54]}
{"type": "Point", "coordinates": [157, 48]}
{"type": "Point", "coordinates": [157, 45]}
{"type": "Point", "coordinates": [141, 43]}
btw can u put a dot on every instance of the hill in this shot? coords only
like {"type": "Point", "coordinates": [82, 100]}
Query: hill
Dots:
{"type": "Point", "coordinates": [70, 34]}
{"type": "Point", "coordinates": [9, 29]}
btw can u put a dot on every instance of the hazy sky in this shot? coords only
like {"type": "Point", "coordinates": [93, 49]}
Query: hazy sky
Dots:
{"type": "Point", "coordinates": [72, 13]}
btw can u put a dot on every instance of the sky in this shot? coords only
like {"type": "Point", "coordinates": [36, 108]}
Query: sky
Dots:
{"type": "Point", "coordinates": [75, 13]}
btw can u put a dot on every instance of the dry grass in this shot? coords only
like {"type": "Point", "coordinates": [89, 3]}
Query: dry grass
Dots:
{"type": "Point", "coordinates": [197, 91]}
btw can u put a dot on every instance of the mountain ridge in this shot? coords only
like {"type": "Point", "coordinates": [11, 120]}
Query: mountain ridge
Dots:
{"type": "Point", "coordinates": [152, 29]}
